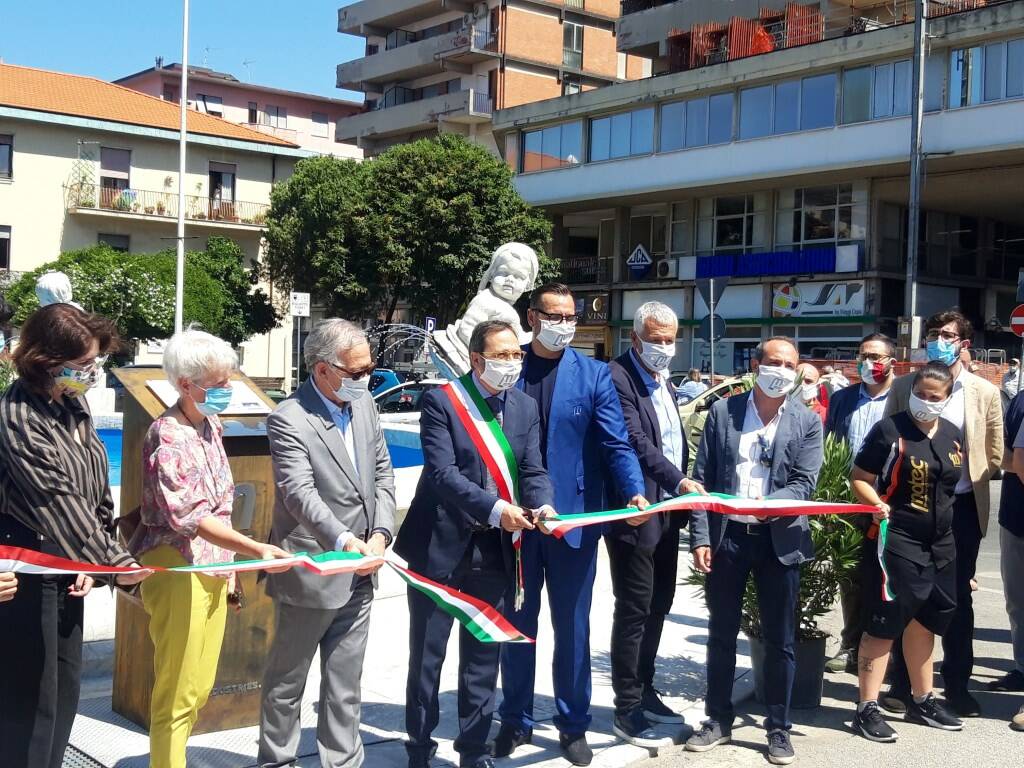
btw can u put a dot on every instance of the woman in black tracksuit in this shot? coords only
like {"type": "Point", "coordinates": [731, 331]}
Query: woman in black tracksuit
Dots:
{"type": "Point", "coordinates": [907, 468]}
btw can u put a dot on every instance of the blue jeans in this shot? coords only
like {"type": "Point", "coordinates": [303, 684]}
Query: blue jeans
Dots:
{"type": "Point", "coordinates": [744, 550]}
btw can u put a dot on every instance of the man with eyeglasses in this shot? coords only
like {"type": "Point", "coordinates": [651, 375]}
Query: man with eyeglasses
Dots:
{"type": "Point", "coordinates": [644, 554]}
{"type": "Point", "coordinates": [975, 409]}
{"type": "Point", "coordinates": [761, 444]}
{"type": "Point", "coordinates": [852, 412]}
{"type": "Point", "coordinates": [584, 445]}
{"type": "Point", "coordinates": [335, 491]}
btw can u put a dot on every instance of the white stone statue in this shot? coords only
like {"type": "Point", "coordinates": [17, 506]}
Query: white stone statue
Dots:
{"type": "Point", "coordinates": [512, 272]}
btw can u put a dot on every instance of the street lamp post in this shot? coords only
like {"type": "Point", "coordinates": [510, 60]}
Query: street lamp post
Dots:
{"type": "Point", "coordinates": [179, 281]}
{"type": "Point", "coordinates": [916, 158]}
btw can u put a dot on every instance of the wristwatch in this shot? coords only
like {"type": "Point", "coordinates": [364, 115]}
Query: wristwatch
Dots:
{"type": "Point", "coordinates": [388, 538]}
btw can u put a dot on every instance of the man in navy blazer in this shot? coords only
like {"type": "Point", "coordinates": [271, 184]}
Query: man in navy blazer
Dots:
{"type": "Point", "coordinates": [644, 554]}
{"type": "Point", "coordinates": [761, 444]}
{"type": "Point", "coordinates": [459, 532]}
{"type": "Point", "coordinates": [583, 439]}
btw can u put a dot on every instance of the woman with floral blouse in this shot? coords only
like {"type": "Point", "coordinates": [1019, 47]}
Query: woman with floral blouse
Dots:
{"type": "Point", "coordinates": [187, 496]}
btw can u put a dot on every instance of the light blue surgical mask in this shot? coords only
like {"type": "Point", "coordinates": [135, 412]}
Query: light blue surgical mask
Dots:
{"type": "Point", "coordinates": [217, 400]}
{"type": "Point", "coordinates": [942, 351]}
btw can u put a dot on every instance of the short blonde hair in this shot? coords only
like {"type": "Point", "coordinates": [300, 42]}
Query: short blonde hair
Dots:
{"type": "Point", "coordinates": [192, 354]}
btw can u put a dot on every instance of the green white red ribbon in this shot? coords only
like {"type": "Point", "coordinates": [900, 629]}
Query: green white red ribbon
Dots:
{"type": "Point", "coordinates": [490, 442]}
{"type": "Point", "coordinates": [721, 503]}
{"type": "Point", "coordinates": [888, 595]}
{"type": "Point", "coordinates": [481, 619]}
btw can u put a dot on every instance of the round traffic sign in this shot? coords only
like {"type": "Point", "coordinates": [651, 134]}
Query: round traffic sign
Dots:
{"type": "Point", "coordinates": [1017, 320]}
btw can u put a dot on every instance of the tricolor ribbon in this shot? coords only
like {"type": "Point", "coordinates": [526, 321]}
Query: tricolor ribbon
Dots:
{"type": "Point", "coordinates": [485, 432]}
{"type": "Point", "coordinates": [481, 619]}
{"type": "Point", "coordinates": [720, 503]}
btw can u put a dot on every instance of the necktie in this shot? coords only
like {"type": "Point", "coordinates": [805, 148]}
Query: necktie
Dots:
{"type": "Point", "coordinates": [495, 403]}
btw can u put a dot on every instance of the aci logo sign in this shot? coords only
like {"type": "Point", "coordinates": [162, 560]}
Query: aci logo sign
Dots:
{"type": "Point", "coordinates": [639, 261]}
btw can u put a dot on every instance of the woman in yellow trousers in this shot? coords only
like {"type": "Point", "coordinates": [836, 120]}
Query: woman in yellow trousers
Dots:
{"type": "Point", "coordinates": [187, 495]}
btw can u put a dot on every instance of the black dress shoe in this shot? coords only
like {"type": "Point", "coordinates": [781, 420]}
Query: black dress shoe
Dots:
{"type": "Point", "coordinates": [963, 703]}
{"type": "Point", "coordinates": [508, 739]}
{"type": "Point", "coordinates": [419, 760]}
{"type": "Point", "coordinates": [575, 749]}
{"type": "Point", "coordinates": [477, 762]}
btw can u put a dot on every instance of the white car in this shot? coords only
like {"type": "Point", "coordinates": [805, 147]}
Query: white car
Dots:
{"type": "Point", "coordinates": [401, 404]}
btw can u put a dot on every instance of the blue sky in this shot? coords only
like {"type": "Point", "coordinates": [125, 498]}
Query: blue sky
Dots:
{"type": "Point", "coordinates": [290, 44]}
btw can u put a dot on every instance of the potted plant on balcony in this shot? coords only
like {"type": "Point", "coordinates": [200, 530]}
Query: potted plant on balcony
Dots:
{"type": "Point", "coordinates": [837, 546]}
{"type": "Point", "coordinates": [160, 208]}
{"type": "Point", "coordinates": [149, 210]}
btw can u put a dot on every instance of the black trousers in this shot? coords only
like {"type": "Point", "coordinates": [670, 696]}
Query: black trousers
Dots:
{"type": "Point", "coordinates": [958, 642]}
{"type": "Point", "coordinates": [41, 657]}
{"type": "Point", "coordinates": [480, 574]}
{"type": "Point", "coordinates": [644, 585]}
{"type": "Point", "coordinates": [852, 602]}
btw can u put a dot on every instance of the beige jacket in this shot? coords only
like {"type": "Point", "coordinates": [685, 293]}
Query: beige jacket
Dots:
{"type": "Point", "coordinates": [983, 422]}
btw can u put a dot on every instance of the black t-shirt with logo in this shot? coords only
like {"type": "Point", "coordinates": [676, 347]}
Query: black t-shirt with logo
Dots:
{"type": "Point", "coordinates": [916, 478]}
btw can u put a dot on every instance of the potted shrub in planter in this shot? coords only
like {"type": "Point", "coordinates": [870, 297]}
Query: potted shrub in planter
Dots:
{"type": "Point", "coordinates": [837, 546]}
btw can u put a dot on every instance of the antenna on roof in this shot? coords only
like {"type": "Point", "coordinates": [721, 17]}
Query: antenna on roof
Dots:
{"type": "Point", "coordinates": [248, 69]}
{"type": "Point", "coordinates": [206, 54]}
{"type": "Point", "coordinates": [159, 62]}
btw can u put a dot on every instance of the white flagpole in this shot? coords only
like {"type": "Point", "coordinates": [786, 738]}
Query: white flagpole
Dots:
{"type": "Point", "coordinates": [179, 282]}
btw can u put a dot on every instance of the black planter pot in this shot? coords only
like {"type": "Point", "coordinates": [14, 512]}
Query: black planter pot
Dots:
{"type": "Point", "coordinates": [810, 672]}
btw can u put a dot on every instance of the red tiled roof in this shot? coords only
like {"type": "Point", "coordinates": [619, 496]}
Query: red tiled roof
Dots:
{"type": "Point", "coordinates": [64, 94]}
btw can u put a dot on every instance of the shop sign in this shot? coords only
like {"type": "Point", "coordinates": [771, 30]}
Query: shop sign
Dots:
{"type": "Point", "coordinates": [838, 299]}
{"type": "Point", "coordinates": [639, 262]}
{"type": "Point", "coordinates": [592, 308]}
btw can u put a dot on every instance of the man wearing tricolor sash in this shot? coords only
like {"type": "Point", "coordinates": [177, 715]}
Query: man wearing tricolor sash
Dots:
{"type": "Point", "coordinates": [483, 484]}
{"type": "Point", "coordinates": [585, 446]}
{"type": "Point", "coordinates": [759, 445]}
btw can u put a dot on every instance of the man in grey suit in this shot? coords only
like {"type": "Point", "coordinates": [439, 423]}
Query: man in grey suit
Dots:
{"type": "Point", "coordinates": [757, 445]}
{"type": "Point", "coordinates": [335, 491]}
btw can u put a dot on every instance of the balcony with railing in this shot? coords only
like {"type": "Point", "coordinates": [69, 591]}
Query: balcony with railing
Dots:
{"type": "Point", "coordinates": [585, 270]}
{"type": "Point", "coordinates": [163, 206]}
{"type": "Point", "coordinates": [399, 112]}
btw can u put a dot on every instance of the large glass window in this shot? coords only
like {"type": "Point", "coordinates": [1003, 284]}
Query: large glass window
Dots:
{"type": "Point", "coordinates": [995, 70]}
{"type": "Point", "coordinates": [697, 122]}
{"type": "Point", "coordinates": [1015, 68]}
{"type": "Point", "coordinates": [211, 105]}
{"type": "Point", "coordinates": [890, 90]}
{"type": "Point", "coordinates": [834, 214]}
{"type": "Point", "coordinates": [733, 224]}
{"type": "Point", "coordinates": [787, 107]}
{"type": "Point", "coordinates": [673, 124]}
{"type": "Point", "coordinates": [557, 146]}
{"type": "Point", "coordinates": [622, 135]}
{"type": "Point", "coordinates": [818, 102]}
{"type": "Point", "coordinates": [572, 45]}
{"type": "Point", "coordinates": [755, 112]}
{"type": "Point", "coordinates": [965, 83]}
{"type": "Point", "coordinates": [857, 94]}
{"type": "Point", "coordinates": [720, 118]}
{"type": "Point", "coordinates": [6, 156]}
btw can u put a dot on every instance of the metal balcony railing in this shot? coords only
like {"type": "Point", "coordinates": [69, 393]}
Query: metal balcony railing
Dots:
{"type": "Point", "coordinates": [586, 270]}
{"type": "Point", "coordinates": [575, 4]}
{"type": "Point", "coordinates": [482, 103]}
{"type": "Point", "coordinates": [147, 203]}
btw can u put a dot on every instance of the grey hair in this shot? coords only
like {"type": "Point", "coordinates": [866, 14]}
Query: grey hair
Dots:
{"type": "Point", "coordinates": [662, 314]}
{"type": "Point", "coordinates": [759, 349]}
{"type": "Point", "coordinates": [486, 329]}
{"type": "Point", "coordinates": [328, 338]}
{"type": "Point", "coordinates": [192, 353]}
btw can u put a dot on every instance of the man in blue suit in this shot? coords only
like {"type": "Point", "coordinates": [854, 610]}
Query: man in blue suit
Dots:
{"type": "Point", "coordinates": [458, 532]}
{"type": "Point", "coordinates": [583, 439]}
{"type": "Point", "coordinates": [761, 444]}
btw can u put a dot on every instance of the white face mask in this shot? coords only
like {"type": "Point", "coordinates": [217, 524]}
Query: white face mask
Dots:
{"type": "Point", "coordinates": [775, 380]}
{"type": "Point", "coordinates": [352, 389]}
{"type": "Point", "coordinates": [501, 374]}
{"type": "Point", "coordinates": [657, 356]}
{"type": "Point", "coordinates": [555, 337]}
{"type": "Point", "coordinates": [808, 392]}
{"type": "Point", "coordinates": [926, 410]}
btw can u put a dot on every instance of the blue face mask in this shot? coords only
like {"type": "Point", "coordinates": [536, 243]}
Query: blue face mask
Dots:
{"type": "Point", "coordinates": [942, 351]}
{"type": "Point", "coordinates": [217, 399]}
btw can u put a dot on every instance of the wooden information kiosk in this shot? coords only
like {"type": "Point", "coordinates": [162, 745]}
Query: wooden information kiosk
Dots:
{"type": "Point", "coordinates": [235, 700]}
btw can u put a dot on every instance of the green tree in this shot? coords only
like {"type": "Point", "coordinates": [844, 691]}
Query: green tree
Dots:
{"type": "Point", "coordinates": [136, 290]}
{"type": "Point", "coordinates": [311, 233]}
{"type": "Point", "coordinates": [418, 225]}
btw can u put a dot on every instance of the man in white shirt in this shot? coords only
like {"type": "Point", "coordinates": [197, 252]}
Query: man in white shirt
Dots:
{"type": "Point", "coordinates": [644, 554]}
{"type": "Point", "coordinates": [755, 445]}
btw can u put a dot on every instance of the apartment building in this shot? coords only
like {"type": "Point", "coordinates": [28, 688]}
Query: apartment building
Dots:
{"type": "Point", "coordinates": [787, 172]}
{"type": "Point", "coordinates": [299, 118]}
{"type": "Point", "coordinates": [446, 65]}
{"type": "Point", "coordinates": [83, 161]}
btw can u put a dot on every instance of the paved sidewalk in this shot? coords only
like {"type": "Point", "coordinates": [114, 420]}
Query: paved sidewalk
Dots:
{"type": "Point", "coordinates": [112, 741]}
{"type": "Point", "coordinates": [823, 736]}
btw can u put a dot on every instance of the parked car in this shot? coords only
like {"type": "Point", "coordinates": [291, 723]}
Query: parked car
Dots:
{"type": "Point", "coordinates": [383, 379]}
{"type": "Point", "coordinates": [402, 403]}
{"type": "Point", "coordinates": [695, 413]}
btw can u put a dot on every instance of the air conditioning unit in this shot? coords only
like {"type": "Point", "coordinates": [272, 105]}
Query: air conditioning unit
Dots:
{"type": "Point", "coordinates": [668, 269]}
